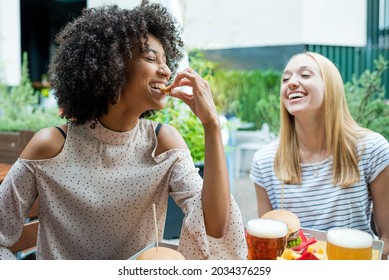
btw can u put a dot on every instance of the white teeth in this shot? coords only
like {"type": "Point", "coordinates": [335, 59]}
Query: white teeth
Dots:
{"type": "Point", "coordinates": [157, 85]}
{"type": "Point", "coordinates": [295, 95]}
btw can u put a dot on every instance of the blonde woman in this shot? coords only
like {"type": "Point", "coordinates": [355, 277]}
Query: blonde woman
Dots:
{"type": "Point", "coordinates": [323, 167]}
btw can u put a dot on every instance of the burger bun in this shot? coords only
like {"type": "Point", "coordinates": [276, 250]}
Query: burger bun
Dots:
{"type": "Point", "coordinates": [160, 253]}
{"type": "Point", "coordinates": [285, 216]}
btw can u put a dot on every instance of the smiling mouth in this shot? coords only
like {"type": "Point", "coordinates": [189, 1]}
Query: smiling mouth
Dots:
{"type": "Point", "coordinates": [157, 85]}
{"type": "Point", "coordinates": [296, 95]}
{"type": "Point", "coordinates": [161, 87]}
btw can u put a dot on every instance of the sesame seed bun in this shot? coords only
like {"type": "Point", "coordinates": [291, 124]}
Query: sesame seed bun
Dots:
{"type": "Point", "coordinates": [160, 253]}
{"type": "Point", "coordinates": [289, 218]}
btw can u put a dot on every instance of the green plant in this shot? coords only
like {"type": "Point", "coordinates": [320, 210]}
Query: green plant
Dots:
{"type": "Point", "coordinates": [268, 109]}
{"type": "Point", "coordinates": [236, 92]}
{"type": "Point", "coordinates": [366, 99]}
{"type": "Point", "coordinates": [205, 68]}
{"type": "Point", "coordinates": [19, 108]}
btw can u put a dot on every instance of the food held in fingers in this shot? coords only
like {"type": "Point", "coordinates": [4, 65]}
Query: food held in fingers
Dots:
{"type": "Point", "coordinates": [166, 90]}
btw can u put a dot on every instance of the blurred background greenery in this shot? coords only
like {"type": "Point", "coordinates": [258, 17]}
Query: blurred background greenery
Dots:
{"type": "Point", "coordinates": [251, 96]}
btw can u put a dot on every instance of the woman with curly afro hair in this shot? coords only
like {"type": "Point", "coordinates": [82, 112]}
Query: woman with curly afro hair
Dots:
{"type": "Point", "coordinates": [97, 177]}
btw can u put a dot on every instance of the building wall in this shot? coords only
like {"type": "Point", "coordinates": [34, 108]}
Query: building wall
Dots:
{"type": "Point", "coordinates": [10, 58]}
{"type": "Point", "coordinates": [227, 25]}
{"type": "Point", "coordinates": [215, 24]}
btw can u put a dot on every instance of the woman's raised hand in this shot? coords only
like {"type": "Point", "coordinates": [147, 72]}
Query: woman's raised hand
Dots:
{"type": "Point", "coordinates": [200, 101]}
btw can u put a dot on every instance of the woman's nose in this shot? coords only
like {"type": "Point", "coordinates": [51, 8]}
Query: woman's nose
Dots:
{"type": "Point", "coordinates": [165, 70]}
{"type": "Point", "coordinates": [293, 83]}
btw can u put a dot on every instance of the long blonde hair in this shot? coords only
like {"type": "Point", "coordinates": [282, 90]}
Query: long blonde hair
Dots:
{"type": "Point", "coordinates": [341, 132]}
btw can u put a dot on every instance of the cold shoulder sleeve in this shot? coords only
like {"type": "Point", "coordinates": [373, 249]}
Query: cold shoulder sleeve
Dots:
{"type": "Point", "coordinates": [185, 188]}
{"type": "Point", "coordinates": [17, 194]}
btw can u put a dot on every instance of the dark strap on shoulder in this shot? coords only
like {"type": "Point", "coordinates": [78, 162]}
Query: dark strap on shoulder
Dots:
{"type": "Point", "coordinates": [158, 128]}
{"type": "Point", "coordinates": [61, 130]}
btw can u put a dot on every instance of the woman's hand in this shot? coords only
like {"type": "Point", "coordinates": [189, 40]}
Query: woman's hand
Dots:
{"type": "Point", "coordinates": [201, 101]}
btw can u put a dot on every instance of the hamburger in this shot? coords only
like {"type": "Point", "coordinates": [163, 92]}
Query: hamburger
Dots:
{"type": "Point", "coordinates": [160, 253]}
{"type": "Point", "coordinates": [293, 223]}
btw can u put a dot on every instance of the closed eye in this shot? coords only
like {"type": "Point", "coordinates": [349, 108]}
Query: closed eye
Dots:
{"type": "Point", "coordinates": [284, 80]}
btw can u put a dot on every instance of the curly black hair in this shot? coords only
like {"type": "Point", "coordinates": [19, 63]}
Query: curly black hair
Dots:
{"type": "Point", "coordinates": [88, 69]}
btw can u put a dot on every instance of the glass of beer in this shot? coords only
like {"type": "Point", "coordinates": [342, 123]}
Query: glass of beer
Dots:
{"type": "Point", "coordinates": [266, 239]}
{"type": "Point", "coordinates": [349, 244]}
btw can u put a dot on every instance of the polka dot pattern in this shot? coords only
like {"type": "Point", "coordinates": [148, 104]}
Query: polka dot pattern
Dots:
{"type": "Point", "coordinates": [96, 196]}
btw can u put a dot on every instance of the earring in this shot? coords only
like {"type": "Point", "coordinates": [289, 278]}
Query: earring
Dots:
{"type": "Point", "coordinates": [118, 99]}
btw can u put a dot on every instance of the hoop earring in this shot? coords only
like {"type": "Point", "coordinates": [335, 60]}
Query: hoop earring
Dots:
{"type": "Point", "coordinates": [118, 100]}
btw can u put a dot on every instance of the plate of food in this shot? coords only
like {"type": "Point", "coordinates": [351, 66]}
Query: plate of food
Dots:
{"type": "Point", "coordinates": [309, 244]}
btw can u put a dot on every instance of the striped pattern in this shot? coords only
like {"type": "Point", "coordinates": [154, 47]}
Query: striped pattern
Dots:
{"type": "Point", "coordinates": [317, 202]}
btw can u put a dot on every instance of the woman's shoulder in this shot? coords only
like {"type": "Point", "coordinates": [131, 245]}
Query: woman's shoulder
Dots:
{"type": "Point", "coordinates": [374, 136]}
{"type": "Point", "coordinates": [46, 143]}
{"type": "Point", "coordinates": [373, 146]}
{"type": "Point", "coordinates": [373, 139]}
{"type": "Point", "coordinates": [168, 137]}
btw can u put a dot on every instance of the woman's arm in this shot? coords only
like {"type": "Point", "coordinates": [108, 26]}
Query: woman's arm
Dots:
{"type": "Point", "coordinates": [263, 202]}
{"type": "Point", "coordinates": [380, 193]}
{"type": "Point", "coordinates": [17, 193]}
{"type": "Point", "coordinates": [216, 187]}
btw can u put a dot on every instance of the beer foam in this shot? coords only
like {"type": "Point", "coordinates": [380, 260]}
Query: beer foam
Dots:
{"type": "Point", "coordinates": [349, 238]}
{"type": "Point", "coordinates": [267, 228]}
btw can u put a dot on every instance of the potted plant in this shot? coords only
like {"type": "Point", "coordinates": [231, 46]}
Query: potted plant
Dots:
{"type": "Point", "coordinates": [21, 116]}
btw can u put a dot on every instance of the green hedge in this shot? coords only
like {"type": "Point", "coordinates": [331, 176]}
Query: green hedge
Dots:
{"type": "Point", "coordinates": [19, 108]}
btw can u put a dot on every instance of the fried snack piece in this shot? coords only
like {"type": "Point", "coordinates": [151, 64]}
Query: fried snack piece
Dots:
{"type": "Point", "coordinates": [166, 90]}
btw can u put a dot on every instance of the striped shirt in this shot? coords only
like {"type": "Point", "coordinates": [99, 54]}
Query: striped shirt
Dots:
{"type": "Point", "coordinates": [317, 202]}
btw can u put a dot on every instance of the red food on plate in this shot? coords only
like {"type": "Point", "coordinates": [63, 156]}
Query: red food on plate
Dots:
{"type": "Point", "coordinates": [305, 242]}
{"type": "Point", "coordinates": [307, 256]}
